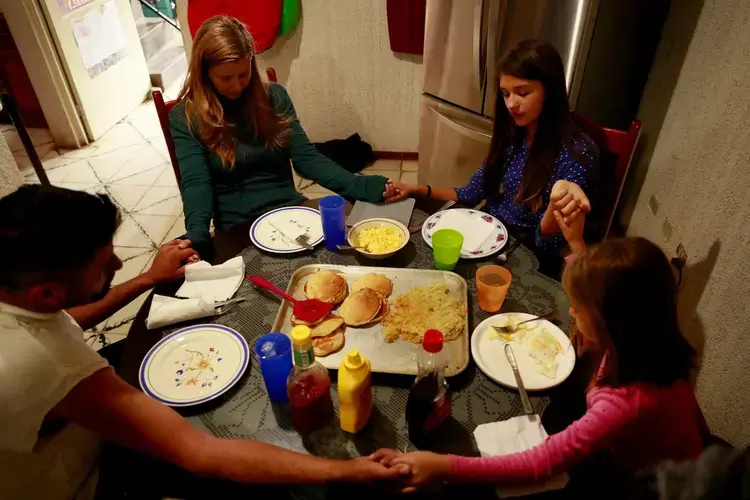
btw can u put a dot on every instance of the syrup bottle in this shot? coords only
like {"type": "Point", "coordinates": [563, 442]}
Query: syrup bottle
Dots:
{"type": "Point", "coordinates": [429, 403]}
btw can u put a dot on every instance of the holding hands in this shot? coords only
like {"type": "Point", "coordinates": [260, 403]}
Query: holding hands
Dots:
{"type": "Point", "coordinates": [426, 468]}
{"type": "Point", "coordinates": [569, 206]}
{"type": "Point", "coordinates": [170, 261]}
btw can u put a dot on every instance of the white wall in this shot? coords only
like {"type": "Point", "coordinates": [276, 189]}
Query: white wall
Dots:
{"type": "Point", "coordinates": [698, 166]}
{"type": "Point", "coordinates": [343, 77]}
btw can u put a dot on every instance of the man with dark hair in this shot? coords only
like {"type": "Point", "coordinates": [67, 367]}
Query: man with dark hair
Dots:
{"type": "Point", "coordinates": [56, 252]}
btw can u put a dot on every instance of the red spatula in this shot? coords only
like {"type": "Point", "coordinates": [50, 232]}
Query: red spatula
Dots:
{"type": "Point", "coordinates": [309, 311]}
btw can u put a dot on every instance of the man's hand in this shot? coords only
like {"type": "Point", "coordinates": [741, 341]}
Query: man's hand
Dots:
{"type": "Point", "coordinates": [170, 261]}
{"type": "Point", "coordinates": [384, 456]}
{"type": "Point", "coordinates": [364, 470]}
{"type": "Point", "coordinates": [426, 468]}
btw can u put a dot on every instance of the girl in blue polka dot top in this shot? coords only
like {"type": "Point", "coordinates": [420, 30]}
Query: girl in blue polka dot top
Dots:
{"type": "Point", "coordinates": [539, 161]}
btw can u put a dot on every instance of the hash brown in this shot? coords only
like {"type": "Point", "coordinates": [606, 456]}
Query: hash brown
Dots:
{"type": "Point", "coordinates": [421, 309]}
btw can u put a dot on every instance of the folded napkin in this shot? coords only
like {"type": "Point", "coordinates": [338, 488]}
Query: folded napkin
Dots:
{"type": "Point", "coordinates": [474, 229]}
{"type": "Point", "coordinates": [511, 436]}
{"type": "Point", "coordinates": [289, 230]}
{"type": "Point", "coordinates": [168, 310]}
{"type": "Point", "coordinates": [212, 283]}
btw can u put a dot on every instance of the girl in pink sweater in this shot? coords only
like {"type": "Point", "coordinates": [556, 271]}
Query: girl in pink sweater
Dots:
{"type": "Point", "coordinates": [641, 405]}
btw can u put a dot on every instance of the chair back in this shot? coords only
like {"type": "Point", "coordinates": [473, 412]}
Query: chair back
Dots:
{"type": "Point", "coordinates": [616, 148]}
{"type": "Point", "coordinates": [162, 111]}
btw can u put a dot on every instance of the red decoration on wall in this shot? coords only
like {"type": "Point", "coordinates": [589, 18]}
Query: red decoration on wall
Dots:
{"type": "Point", "coordinates": [406, 20]}
{"type": "Point", "coordinates": [262, 17]}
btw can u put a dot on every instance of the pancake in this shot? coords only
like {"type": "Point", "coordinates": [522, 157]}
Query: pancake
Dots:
{"type": "Point", "coordinates": [373, 281]}
{"type": "Point", "coordinates": [326, 327]}
{"type": "Point", "coordinates": [361, 307]}
{"type": "Point", "coordinates": [326, 286]}
{"type": "Point", "coordinates": [324, 346]}
{"type": "Point", "coordinates": [384, 309]}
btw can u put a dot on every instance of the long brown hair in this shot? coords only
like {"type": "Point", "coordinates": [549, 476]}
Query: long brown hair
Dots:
{"type": "Point", "coordinates": [223, 39]}
{"type": "Point", "coordinates": [533, 60]}
{"type": "Point", "coordinates": [629, 291]}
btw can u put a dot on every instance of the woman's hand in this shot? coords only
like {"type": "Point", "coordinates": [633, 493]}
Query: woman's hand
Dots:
{"type": "Point", "coordinates": [398, 191]}
{"type": "Point", "coordinates": [568, 196]}
{"type": "Point", "coordinates": [426, 468]}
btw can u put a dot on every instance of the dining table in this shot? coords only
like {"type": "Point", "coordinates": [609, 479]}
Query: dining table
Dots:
{"type": "Point", "coordinates": [246, 412]}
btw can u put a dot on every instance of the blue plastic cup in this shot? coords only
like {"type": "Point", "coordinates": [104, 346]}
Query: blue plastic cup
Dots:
{"type": "Point", "coordinates": [274, 353]}
{"type": "Point", "coordinates": [333, 214]}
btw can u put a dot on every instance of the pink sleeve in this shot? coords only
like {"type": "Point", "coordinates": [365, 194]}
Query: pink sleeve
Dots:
{"type": "Point", "coordinates": [609, 414]}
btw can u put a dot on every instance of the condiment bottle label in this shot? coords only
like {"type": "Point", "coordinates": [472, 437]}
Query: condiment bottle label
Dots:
{"type": "Point", "coordinates": [303, 359]}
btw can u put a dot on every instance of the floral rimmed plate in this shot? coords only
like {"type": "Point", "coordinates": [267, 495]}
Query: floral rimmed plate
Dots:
{"type": "Point", "coordinates": [194, 365]}
{"type": "Point", "coordinates": [493, 244]}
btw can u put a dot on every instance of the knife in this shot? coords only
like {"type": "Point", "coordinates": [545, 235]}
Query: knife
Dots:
{"type": "Point", "coordinates": [527, 408]}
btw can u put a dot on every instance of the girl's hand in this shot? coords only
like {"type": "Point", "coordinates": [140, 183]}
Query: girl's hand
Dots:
{"type": "Point", "coordinates": [426, 469]}
{"type": "Point", "coordinates": [572, 228]}
{"type": "Point", "coordinates": [397, 191]}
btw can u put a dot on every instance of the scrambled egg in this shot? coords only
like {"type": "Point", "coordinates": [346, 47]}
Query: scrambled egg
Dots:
{"type": "Point", "coordinates": [379, 239]}
{"type": "Point", "coordinates": [542, 346]}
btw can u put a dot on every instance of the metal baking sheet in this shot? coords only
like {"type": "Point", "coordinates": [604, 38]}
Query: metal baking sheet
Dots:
{"type": "Point", "coordinates": [399, 357]}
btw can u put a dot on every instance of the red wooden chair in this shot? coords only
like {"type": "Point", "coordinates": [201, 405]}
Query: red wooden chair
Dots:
{"type": "Point", "coordinates": [616, 148]}
{"type": "Point", "coordinates": [162, 111]}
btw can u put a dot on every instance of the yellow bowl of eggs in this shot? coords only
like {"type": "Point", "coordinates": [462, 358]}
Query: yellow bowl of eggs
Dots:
{"type": "Point", "coordinates": [378, 238]}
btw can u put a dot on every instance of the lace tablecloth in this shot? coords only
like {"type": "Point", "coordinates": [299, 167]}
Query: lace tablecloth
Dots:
{"type": "Point", "coordinates": [245, 412]}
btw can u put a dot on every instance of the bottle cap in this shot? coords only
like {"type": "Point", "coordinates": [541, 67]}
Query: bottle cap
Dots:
{"type": "Point", "coordinates": [433, 341]}
{"type": "Point", "coordinates": [354, 360]}
{"type": "Point", "coordinates": [301, 335]}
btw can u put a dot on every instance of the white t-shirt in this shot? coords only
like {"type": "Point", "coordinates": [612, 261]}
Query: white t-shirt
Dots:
{"type": "Point", "coordinates": [42, 357]}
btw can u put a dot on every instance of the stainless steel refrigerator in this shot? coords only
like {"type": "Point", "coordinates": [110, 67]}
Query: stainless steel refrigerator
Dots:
{"type": "Point", "coordinates": [606, 46]}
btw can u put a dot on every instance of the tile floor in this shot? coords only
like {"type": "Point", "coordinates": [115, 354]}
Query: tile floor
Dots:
{"type": "Point", "coordinates": [131, 164]}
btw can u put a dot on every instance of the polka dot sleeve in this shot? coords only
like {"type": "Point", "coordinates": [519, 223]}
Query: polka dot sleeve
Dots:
{"type": "Point", "coordinates": [473, 193]}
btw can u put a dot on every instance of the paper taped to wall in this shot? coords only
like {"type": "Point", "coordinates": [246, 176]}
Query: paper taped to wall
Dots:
{"type": "Point", "coordinates": [101, 41]}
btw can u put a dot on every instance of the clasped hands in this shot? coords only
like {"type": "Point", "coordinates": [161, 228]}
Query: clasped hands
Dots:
{"type": "Point", "coordinates": [426, 469]}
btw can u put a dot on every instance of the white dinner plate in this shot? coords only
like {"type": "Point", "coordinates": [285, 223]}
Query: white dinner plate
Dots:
{"type": "Point", "coordinates": [266, 237]}
{"type": "Point", "coordinates": [194, 365]}
{"type": "Point", "coordinates": [493, 244]}
{"type": "Point", "coordinates": [489, 355]}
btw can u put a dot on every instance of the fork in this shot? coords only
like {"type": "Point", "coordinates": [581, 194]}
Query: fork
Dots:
{"type": "Point", "coordinates": [514, 328]}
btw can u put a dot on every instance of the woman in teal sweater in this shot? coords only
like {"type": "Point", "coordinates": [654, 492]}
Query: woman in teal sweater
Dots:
{"type": "Point", "coordinates": [235, 136]}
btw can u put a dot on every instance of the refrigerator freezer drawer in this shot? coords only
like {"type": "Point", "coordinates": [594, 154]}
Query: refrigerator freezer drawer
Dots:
{"type": "Point", "coordinates": [453, 143]}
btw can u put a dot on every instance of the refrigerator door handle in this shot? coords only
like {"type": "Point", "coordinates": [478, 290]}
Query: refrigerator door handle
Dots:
{"type": "Point", "coordinates": [480, 62]}
{"type": "Point", "coordinates": [460, 127]}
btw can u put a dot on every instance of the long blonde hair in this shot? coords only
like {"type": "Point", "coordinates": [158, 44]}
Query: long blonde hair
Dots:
{"type": "Point", "coordinates": [218, 40]}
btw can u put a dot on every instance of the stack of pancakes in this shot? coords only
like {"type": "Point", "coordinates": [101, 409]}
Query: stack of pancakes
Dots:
{"type": "Point", "coordinates": [367, 304]}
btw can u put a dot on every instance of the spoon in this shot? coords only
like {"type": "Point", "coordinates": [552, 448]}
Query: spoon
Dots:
{"type": "Point", "coordinates": [310, 310]}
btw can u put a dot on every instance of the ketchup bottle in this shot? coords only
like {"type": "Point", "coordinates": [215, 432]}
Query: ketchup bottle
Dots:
{"type": "Point", "coordinates": [308, 386]}
{"type": "Point", "coordinates": [429, 403]}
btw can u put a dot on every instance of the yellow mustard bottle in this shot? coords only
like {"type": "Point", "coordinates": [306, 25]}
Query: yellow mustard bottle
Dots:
{"type": "Point", "coordinates": [355, 392]}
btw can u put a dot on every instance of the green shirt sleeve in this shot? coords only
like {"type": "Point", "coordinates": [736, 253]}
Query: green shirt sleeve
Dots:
{"type": "Point", "coordinates": [197, 193]}
{"type": "Point", "coordinates": [311, 164]}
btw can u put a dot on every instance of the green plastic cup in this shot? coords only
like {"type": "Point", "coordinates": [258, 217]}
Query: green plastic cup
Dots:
{"type": "Point", "coordinates": [446, 248]}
